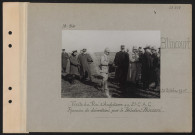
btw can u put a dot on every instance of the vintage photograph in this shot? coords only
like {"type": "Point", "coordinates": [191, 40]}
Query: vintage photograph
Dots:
{"type": "Point", "coordinates": [110, 64]}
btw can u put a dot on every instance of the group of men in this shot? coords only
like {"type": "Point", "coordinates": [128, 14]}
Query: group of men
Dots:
{"type": "Point", "coordinates": [79, 64]}
{"type": "Point", "coordinates": [139, 66]}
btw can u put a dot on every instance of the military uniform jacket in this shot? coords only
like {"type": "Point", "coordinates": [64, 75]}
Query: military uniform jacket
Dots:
{"type": "Point", "coordinates": [133, 57]}
{"type": "Point", "coordinates": [65, 58]}
{"type": "Point", "coordinates": [122, 59]}
{"type": "Point", "coordinates": [104, 61]}
{"type": "Point", "coordinates": [84, 60]}
{"type": "Point", "coordinates": [74, 65]}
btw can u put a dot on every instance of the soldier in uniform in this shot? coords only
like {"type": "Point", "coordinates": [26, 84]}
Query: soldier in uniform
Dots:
{"type": "Point", "coordinates": [158, 69]}
{"type": "Point", "coordinates": [85, 60]}
{"type": "Point", "coordinates": [139, 65]}
{"type": "Point", "coordinates": [65, 58]}
{"type": "Point", "coordinates": [156, 66]}
{"type": "Point", "coordinates": [74, 65]}
{"type": "Point", "coordinates": [81, 51]}
{"type": "Point", "coordinates": [121, 61]}
{"type": "Point", "coordinates": [146, 67]}
{"type": "Point", "coordinates": [134, 57]}
{"type": "Point", "coordinates": [104, 63]}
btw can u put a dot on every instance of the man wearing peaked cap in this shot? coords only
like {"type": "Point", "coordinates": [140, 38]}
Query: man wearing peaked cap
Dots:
{"type": "Point", "coordinates": [85, 60]}
{"type": "Point", "coordinates": [74, 64]}
{"type": "Point", "coordinates": [133, 57]}
{"type": "Point", "coordinates": [121, 61]}
{"type": "Point", "coordinates": [146, 67]}
{"type": "Point", "coordinates": [155, 66]}
{"type": "Point", "coordinates": [74, 51]}
{"type": "Point", "coordinates": [147, 47]}
{"type": "Point", "coordinates": [135, 48]}
{"type": "Point", "coordinates": [154, 48]}
{"type": "Point", "coordinates": [84, 50]}
{"type": "Point", "coordinates": [65, 58]}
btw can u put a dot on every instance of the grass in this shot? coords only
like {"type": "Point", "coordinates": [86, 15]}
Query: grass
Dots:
{"type": "Point", "coordinates": [90, 90]}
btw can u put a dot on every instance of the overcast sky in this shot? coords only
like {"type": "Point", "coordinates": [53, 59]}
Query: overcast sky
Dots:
{"type": "Point", "coordinates": [98, 40]}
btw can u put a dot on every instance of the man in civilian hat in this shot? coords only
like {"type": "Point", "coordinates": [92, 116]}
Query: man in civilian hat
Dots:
{"type": "Point", "coordinates": [65, 58]}
{"type": "Point", "coordinates": [85, 60]}
{"type": "Point", "coordinates": [147, 67]}
{"type": "Point", "coordinates": [121, 61]}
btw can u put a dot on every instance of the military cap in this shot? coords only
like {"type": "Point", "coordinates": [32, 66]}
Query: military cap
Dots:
{"type": "Point", "coordinates": [135, 48]}
{"type": "Point", "coordinates": [74, 51]}
{"type": "Point", "coordinates": [84, 49]}
{"type": "Point", "coordinates": [147, 47]}
{"type": "Point", "coordinates": [153, 48]}
{"type": "Point", "coordinates": [107, 50]}
{"type": "Point", "coordinates": [122, 46]}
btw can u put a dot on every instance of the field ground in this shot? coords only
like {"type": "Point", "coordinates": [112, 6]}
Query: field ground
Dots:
{"type": "Point", "coordinates": [90, 90]}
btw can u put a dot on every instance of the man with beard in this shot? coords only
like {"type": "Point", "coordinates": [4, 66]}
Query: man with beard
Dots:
{"type": "Point", "coordinates": [121, 61]}
{"type": "Point", "coordinates": [85, 60]}
{"type": "Point", "coordinates": [147, 67]}
{"type": "Point", "coordinates": [104, 63]}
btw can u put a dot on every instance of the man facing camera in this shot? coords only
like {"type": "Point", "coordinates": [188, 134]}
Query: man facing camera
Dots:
{"type": "Point", "coordinates": [104, 63]}
{"type": "Point", "coordinates": [85, 60]}
{"type": "Point", "coordinates": [65, 58]}
{"type": "Point", "coordinates": [121, 61]}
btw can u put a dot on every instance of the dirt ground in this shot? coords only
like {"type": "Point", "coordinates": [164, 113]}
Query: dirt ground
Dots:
{"type": "Point", "coordinates": [88, 89]}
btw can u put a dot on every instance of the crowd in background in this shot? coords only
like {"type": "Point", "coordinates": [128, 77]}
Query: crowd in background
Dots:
{"type": "Point", "coordinates": [141, 66]}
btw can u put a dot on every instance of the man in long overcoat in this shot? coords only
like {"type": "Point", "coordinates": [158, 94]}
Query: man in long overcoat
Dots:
{"type": "Point", "coordinates": [121, 61]}
{"type": "Point", "coordinates": [156, 66]}
{"type": "Point", "coordinates": [134, 58]}
{"type": "Point", "coordinates": [74, 64]}
{"type": "Point", "coordinates": [65, 58]}
{"type": "Point", "coordinates": [85, 60]}
{"type": "Point", "coordinates": [147, 65]}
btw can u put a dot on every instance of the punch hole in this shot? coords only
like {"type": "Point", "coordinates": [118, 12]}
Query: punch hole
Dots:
{"type": "Point", "coordinates": [10, 88]}
{"type": "Point", "coordinates": [10, 45]}
{"type": "Point", "coordinates": [10, 32]}
{"type": "Point", "coordinates": [10, 101]}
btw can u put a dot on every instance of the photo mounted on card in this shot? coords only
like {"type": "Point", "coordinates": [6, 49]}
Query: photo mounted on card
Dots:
{"type": "Point", "coordinates": [97, 67]}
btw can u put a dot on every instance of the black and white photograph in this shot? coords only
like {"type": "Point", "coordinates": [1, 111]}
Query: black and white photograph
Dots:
{"type": "Point", "coordinates": [110, 64]}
